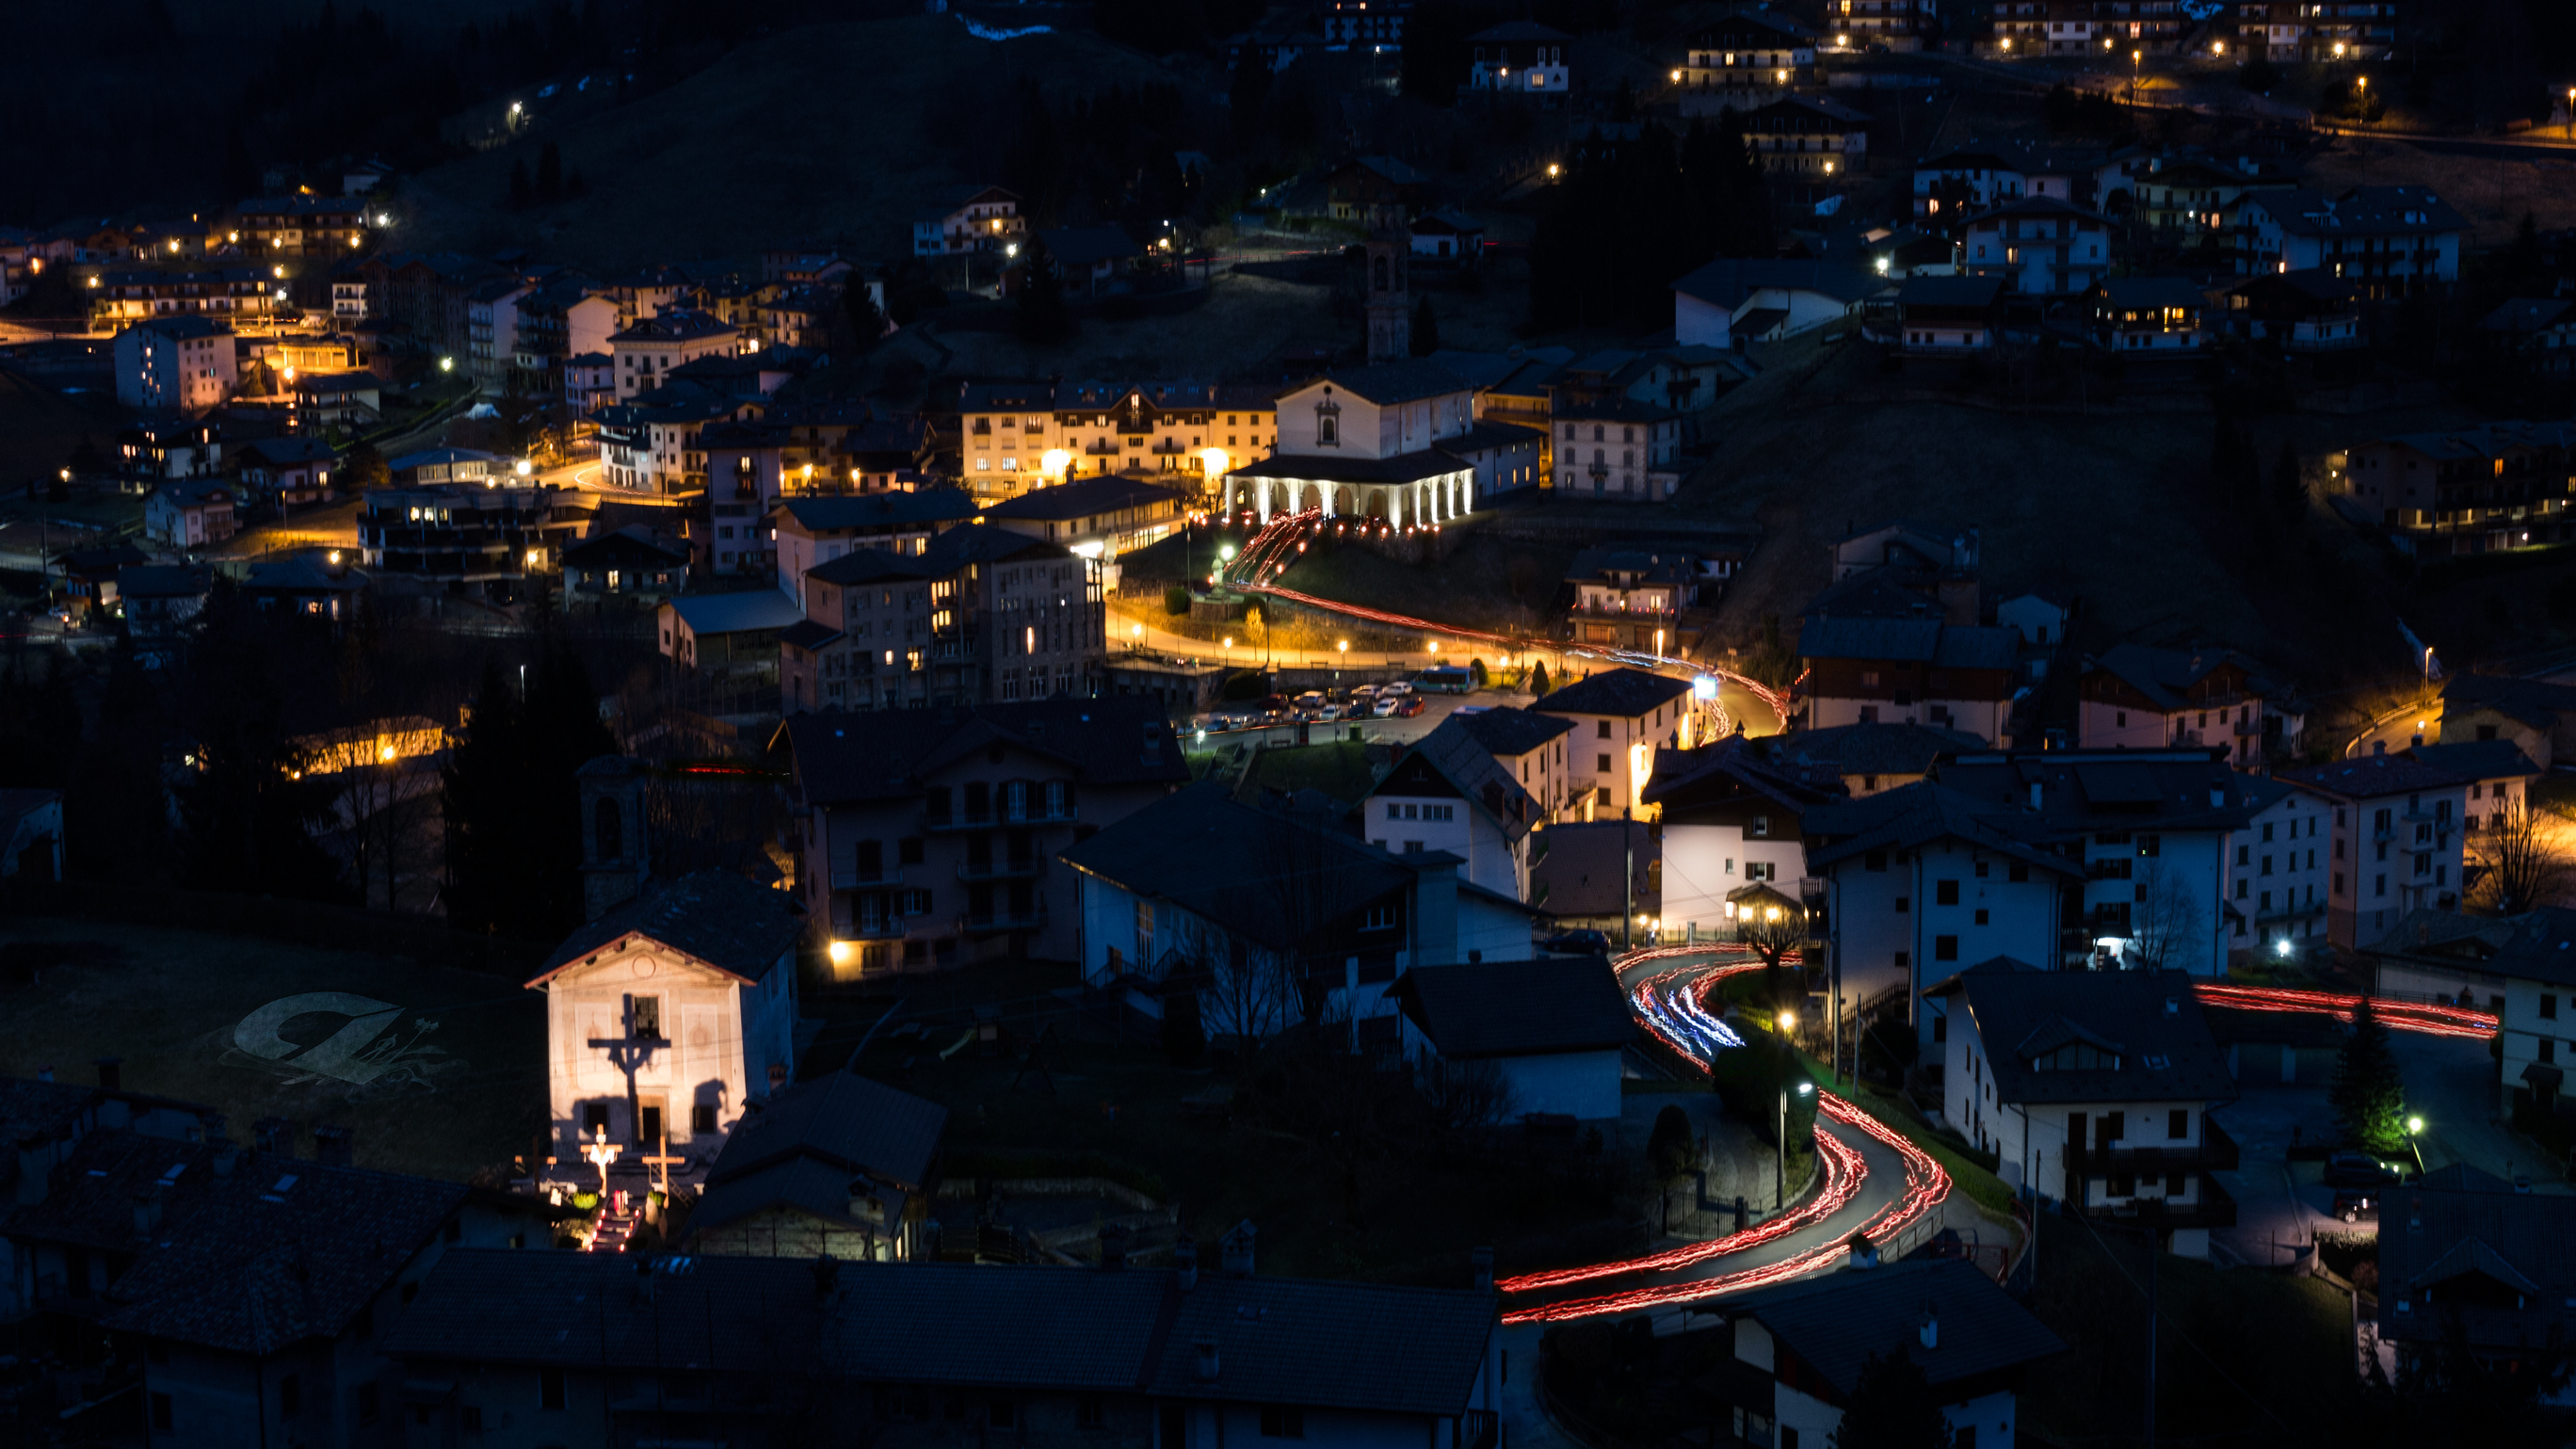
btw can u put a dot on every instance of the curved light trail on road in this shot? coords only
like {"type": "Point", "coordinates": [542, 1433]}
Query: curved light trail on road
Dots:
{"type": "Point", "coordinates": [1673, 1004]}
{"type": "Point", "coordinates": [1271, 549]}
{"type": "Point", "coordinates": [2425, 1018]}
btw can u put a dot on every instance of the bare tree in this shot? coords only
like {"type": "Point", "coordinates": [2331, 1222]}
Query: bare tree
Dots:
{"type": "Point", "coordinates": [2522, 863]}
{"type": "Point", "coordinates": [1467, 1095]}
{"type": "Point", "coordinates": [2167, 927]}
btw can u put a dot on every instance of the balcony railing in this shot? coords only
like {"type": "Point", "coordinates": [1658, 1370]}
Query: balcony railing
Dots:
{"type": "Point", "coordinates": [1028, 869]}
{"type": "Point", "coordinates": [2213, 1209]}
{"type": "Point", "coordinates": [1004, 918]}
{"type": "Point", "coordinates": [2215, 1152]}
{"type": "Point", "coordinates": [1035, 814]}
{"type": "Point", "coordinates": [861, 877]}
{"type": "Point", "coordinates": [873, 928]}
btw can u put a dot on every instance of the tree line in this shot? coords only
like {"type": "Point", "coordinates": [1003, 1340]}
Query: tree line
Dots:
{"type": "Point", "coordinates": [1629, 217]}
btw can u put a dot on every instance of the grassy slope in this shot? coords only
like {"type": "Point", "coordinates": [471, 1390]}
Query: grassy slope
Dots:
{"type": "Point", "coordinates": [832, 131]}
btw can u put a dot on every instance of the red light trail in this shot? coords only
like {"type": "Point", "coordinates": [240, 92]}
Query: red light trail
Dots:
{"type": "Point", "coordinates": [2426, 1018]}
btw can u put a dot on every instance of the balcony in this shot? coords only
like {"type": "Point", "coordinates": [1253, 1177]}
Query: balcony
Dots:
{"type": "Point", "coordinates": [862, 877]}
{"type": "Point", "coordinates": [2215, 1152]}
{"type": "Point", "coordinates": [1037, 814]}
{"type": "Point", "coordinates": [1028, 869]}
{"type": "Point", "coordinates": [872, 928]}
{"type": "Point", "coordinates": [1004, 918]}
{"type": "Point", "coordinates": [2214, 1209]}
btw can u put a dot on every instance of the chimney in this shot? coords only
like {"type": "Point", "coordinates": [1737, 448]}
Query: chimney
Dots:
{"type": "Point", "coordinates": [111, 1075]}
{"type": "Point", "coordinates": [1235, 1250]}
{"type": "Point", "coordinates": [1205, 1370]}
{"type": "Point", "coordinates": [35, 1166]}
{"type": "Point", "coordinates": [1480, 1264]}
{"type": "Point", "coordinates": [2034, 795]}
{"type": "Point", "coordinates": [2173, 1006]}
{"type": "Point", "coordinates": [45, 1073]}
{"type": "Point", "coordinates": [1185, 1258]}
{"type": "Point", "coordinates": [147, 1214]}
{"type": "Point", "coordinates": [274, 1136]}
{"type": "Point", "coordinates": [335, 1147]}
{"type": "Point", "coordinates": [1113, 1248]}
{"type": "Point", "coordinates": [226, 1154]}
{"type": "Point", "coordinates": [1930, 1333]}
{"type": "Point", "coordinates": [2379, 747]}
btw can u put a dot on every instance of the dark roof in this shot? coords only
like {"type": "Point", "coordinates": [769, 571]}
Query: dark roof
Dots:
{"type": "Point", "coordinates": [2149, 1020]}
{"type": "Point", "coordinates": [1915, 815]}
{"type": "Point", "coordinates": [2368, 776]}
{"type": "Point", "coordinates": [1410, 467]}
{"type": "Point", "coordinates": [303, 448]}
{"type": "Point", "coordinates": [974, 543]}
{"type": "Point", "coordinates": [2478, 759]}
{"type": "Point", "coordinates": [1081, 498]}
{"type": "Point", "coordinates": [1387, 383]}
{"type": "Point", "coordinates": [678, 324]}
{"type": "Point", "coordinates": [808, 634]}
{"type": "Point", "coordinates": [2035, 206]}
{"type": "Point", "coordinates": [1508, 731]}
{"type": "Point", "coordinates": [1597, 867]}
{"type": "Point", "coordinates": [1879, 749]}
{"type": "Point", "coordinates": [1882, 592]}
{"type": "Point", "coordinates": [2528, 314]}
{"type": "Point", "coordinates": [847, 759]}
{"type": "Point", "coordinates": [2084, 790]}
{"type": "Point", "coordinates": [1921, 290]}
{"type": "Point", "coordinates": [1650, 564]}
{"type": "Point", "coordinates": [1455, 754]}
{"type": "Point", "coordinates": [2535, 702]}
{"type": "Point", "coordinates": [1518, 1008]}
{"type": "Point", "coordinates": [1836, 1322]}
{"type": "Point", "coordinates": [302, 574]}
{"type": "Point", "coordinates": [163, 581]}
{"type": "Point", "coordinates": [1519, 30]}
{"type": "Point", "coordinates": [878, 510]}
{"type": "Point", "coordinates": [713, 916]}
{"type": "Point", "coordinates": [855, 1123]}
{"type": "Point", "coordinates": [1327, 1344]}
{"type": "Point", "coordinates": [2539, 945]}
{"type": "Point", "coordinates": [2152, 292]}
{"type": "Point", "coordinates": [1947, 646]}
{"type": "Point", "coordinates": [1624, 692]}
{"type": "Point", "coordinates": [2437, 1238]}
{"type": "Point", "coordinates": [631, 546]}
{"type": "Point", "coordinates": [2166, 676]}
{"type": "Point", "coordinates": [278, 1249]}
{"type": "Point", "coordinates": [1735, 766]}
{"type": "Point", "coordinates": [871, 565]}
{"type": "Point", "coordinates": [1223, 861]}
{"type": "Point", "coordinates": [2361, 211]}
{"type": "Point", "coordinates": [1729, 282]}
{"type": "Point", "coordinates": [611, 1311]}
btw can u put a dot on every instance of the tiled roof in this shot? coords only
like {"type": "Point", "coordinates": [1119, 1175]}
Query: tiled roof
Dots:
{"type": "Point", "coordinates": [1730, 282]}
{"type": "Point", "coordinates": [1836, 1322]}
{"type": "Point", "coordinates": [2149, 1019]}
{"type": "Point", "coordinates": [2478, 759]}
{"type": "Point", "coordinates": [2436, 1240]}
{"type": "Point", "coordinates": [1623, 692]}
{"type": "Point", "coordinates": [1388, 383]}
{"type": "Point", "coordinates": [1650, 564]}
{"type": "Point", "coordinates": [2084, 790]}
{"type": "Point", "coordinates": [1737, 765]}
{"type": "Point", "coordinates": [1917, 814]}
{"type": "Point", "coordinates": [2535, 702]}
{"type": "Point", "coordinates": [1083, 497]}
{"type": "Point", "coordinates": [1223, 862]}
{"type": "Point", "coordinates": [854, 1123]}
{"type": "Point", "coordinates": [612, 1311]}
{"type": "Point", "coordinates": [1508, 731]}
{"type": "Point", "coordinates": [1879, 749]}
{"type": "Point", "coordinates": [1945, 646]}
{"type": "Point", "coordinates": [745, 611]}
{"type": "Point", "coordinates": [847, 759]}
{"type": "Point", "coordinates": [679, 324]}
{"type": "Point", "coordinates": [711, 915]}
{"type": "Point", "coordinates": [879, 510]}
{"type": "Point", "coordinates": [1518, 1008]}
{"type": "Point", "coordinates": [277, 1250]}
{"type": "Point", "coordinates": [2166, 676]}
{"type": "Point", "coordinates": [2368, 776]}
{"type": "Point", "coordinates": [2363, 211]}
{"type": "Point", "coordinates": [631, 546]}
{"type": "Point", "coordinates": [2539, 945]}
{"type": "Point", "coordinates": [1454, 754]}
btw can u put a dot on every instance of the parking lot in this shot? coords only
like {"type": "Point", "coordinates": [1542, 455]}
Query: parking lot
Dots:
{"type": "Point", "coordinates": [1396, 730]}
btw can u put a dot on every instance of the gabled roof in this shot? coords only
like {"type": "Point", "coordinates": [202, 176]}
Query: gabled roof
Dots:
{"type": "Point", "coordinates": [1389, 383]}
{"type": "Point", "coordinates": [1458, 757]}
{"type": "Point", "coordinates": [1517, 1008]}
{"type": "Point", "coordinates": [2539, 945]}
{"type": "Point", "coordinates": [857, 1125]}
{"type": "Point", "coordinates": [1915, 815]}
{"type": "Point", "coordinates": [631, 546]}
{"type": "Point", "coordinates": [2370, 776]}
{"type": "Point", "coordinates": [2434, 1234]}
{"type": "Point", "coordinates": [1736, 765]}
{"type": "Point", "coordinates": [1944, 646]}
{"type": "Point", "coordinates": [2048, 206]}
{"type": "Point", "coordinates": [1730, 282]}
{"type": "Point", "coordinates": [1875, 593]}
{"type": "Point", "coordinates": [2166, 676]}
{"type": "Point", "coordinates": [2535, 702]}
{"type": "Point", "coordinates": [1507, 731]}
{"type": "Point", "coordinates": [849, 759]}
{"type": "Point", "coordinates": [1649, 564]}
{"type": "Point", "coordinates": [2150, 1020]}
{"type": "Point", "coordinates": [1081, 498]}
{"type": "Point", "coordinates": [1836, 1322]}
{"type": "Point", "coordinates": [1878, 749]}
{"type": "Point", "coordinates": [746, 611]}
{"type": "Point", "coordinates": [2522, 316]}
{"type": "Point", "coordinates": [609, 1311]}
{"type": "Point", "coordinates": [711, 916]}
{"type": "Point", "coordinates": [879, 510]}
{"type": "Point", "coordinates": [2361, 211]}
{"type": "Point", "coordinates": [1624, 692]}
{"type": "Point", "coordinates": [2479, 759]}
{"type": "Point", "coordinates": [2181, 788]}
{"type": "Point", "coordinates": [1224, 862]}
{"type": "Point", "coordinates": [678, 324]}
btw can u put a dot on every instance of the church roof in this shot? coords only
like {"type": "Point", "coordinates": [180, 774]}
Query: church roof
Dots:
{"type": "Point", "coordinates": [712, 916]}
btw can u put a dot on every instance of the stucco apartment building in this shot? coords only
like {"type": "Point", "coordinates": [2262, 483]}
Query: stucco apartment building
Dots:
{"type": "Point", "coordinates": [1019, 436]}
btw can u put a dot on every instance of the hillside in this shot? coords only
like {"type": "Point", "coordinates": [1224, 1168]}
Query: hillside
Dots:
{"type": "Point", "coordinates": [831, 131]}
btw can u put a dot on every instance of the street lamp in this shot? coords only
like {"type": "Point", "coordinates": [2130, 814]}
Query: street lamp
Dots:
{"type": "Point", "coordinates": [1345, 654]}
{"type": "Point", "coordinates": [1780, 1164]}
{"type": "Point", "coordinates": [2414, 1136]}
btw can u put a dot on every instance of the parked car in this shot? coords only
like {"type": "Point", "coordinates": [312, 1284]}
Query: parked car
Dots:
{"type": "Point", "coordinates": [2361, 1170]}
{"type": "Point", "coordinates": [1409, 706]}
{"type": "Point", "coordinates": [1311, 699]}
{"type": "Point", "coordinates": [1362, 694]}
{"type": "Point", "coordinates": [2354, 1205]}
{"type": "Point", "coordinates": [1385, 708]}
{"type": "Point", "coordinates": [1398, 687]}
{"type": "Point", "coordinates": [1577, 943]}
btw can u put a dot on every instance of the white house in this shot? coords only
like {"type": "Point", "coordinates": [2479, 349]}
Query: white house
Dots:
{"type": "Point", "coordinates": [1265, 916]}
{"type": "Point", "coordinates": [2040, 246]}
{"type": "Point", "coordinates": [1621, 717]}
{"type": "Point", "coordinates": [666, 1013]}
{"type": "Point", "coordinates": [968, 219]}
{"type": "Point", "coordinates": [648, 350]}
{"type": "Point", "coordinates": [1735, 300]}
{"type": "Point", "coordinates": [1450, 794]}
{"type": "Point", "coordinates": [189, 514]}
{"type": "Point", "coordinates": [2039, 615]}
{"type": "Point", "coordinates": [1799, 1349]}
{"type": "Point", "coordinates": [2399, 835]}
{"type": "Point", "coordinates": [2388, 241]}
{"type": "Point", "coordinates": [2522, 968]}
{"type": "Point", "coordinates": [1520, 57]}
{"type": "Point", "coordinates": [1553, 1030]}
{"type": "Point", "coordinates": [2277, 885]}
{"type": "Point", "coordinates": [1730, 813]}
{"type": "Point", "coordinates": [2139, 697]}
{"type": "Point", "coordinates": [2093, 1089]}
{"type": "Point", "coordinates": [178, 364]}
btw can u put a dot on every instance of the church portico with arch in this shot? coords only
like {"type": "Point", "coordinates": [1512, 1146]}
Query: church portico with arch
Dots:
{"type": "Point", "coordinates": [1398, 442]}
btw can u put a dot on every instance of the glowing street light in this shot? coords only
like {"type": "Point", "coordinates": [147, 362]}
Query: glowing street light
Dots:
{"type": "Point", "coordinates": [2414, 1142]}
{"type": "Point", "coordinates": [1779, 1164]}
{"type": "Point", "coordinates": [842, 952]}
{"type": "Point", "coordinates": [447, 364]}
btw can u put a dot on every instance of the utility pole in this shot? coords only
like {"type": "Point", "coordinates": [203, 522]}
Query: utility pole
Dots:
{"type": "Point", "coordinates": [1628, 893]}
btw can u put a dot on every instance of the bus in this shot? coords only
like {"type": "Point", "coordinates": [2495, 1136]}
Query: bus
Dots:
{"type": "Point", "coordinates": [1445, 679]}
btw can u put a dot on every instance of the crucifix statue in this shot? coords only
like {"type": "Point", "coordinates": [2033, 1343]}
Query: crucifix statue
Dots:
{"type": "Point", "coordinates": [602, 1152]}
{"type": "Point", "coordinates": [661, 1163]}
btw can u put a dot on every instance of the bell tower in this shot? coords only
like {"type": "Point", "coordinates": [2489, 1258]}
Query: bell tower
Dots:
{"type": "Point", "coordinates": [614, 861]}
{"type": "Point", "coordinates": [1388, 295]}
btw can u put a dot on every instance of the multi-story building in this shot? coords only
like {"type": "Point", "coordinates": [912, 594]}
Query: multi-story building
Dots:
{"type": "Point", "coordinates": [1621, 718]}
{"type": "Point", "coordinates": [2399, 837]}
{"type": "Point", "coordinates": [1376, 26]}
{"type": "Point", "coordinates": [649, 348]}
{"type": "Point", "coordinates": [2138, 697]}
{"type": "Point", "coordinates": [1808, 138]}
{"type": "Point", "coordinates": [2478, 490]}
{"type": "Point", "coordinates": [492, 332]}
{"type": "Point", "coordinates": [969, 219]}
{"type": "Point", "coordinates": [1449, 793]}
{"type": "Point", "coordinates": [978, 615]}
{"type": "Point", "coordinates": [1097, 518]}
{"type": "Point", "coordinates": [272, 227]}
{"type": "Point", "coordinates": [1629, 596]}
{"type": "Point", "coordinates": [1518, 57]}
{"type": "Point", "coordinates": [928, 837]}
{"type": "Point", "coordinates": [228, 293]}
{"type": "Point", "coordinates": [804, 533]}
{"type": "Point", "coordinates": [2186, 196]}
{"type": "Point", "coordinates": [2039, 246]}
{"type": "Point", "coordinates": [1916, 670]}
{"type": "Point", "coordinates": [2093, 1089]}
{"type": "Point", "coordinates": [2315, 29]}
{"type": "Point", "coordinates": [1983, 176]}
{"type": "Point", "coordinates": [1018, 436]}
{"type": "Point", "coordinates": [2388, 241]}
{"type": "Point", "coordinates": [183, 364]}
{"type": "Point", "coordinates": [189, 514]}
{"type": "Point", "coordinates": [1899, 25]}
{"type": "Point", "coordinates": [2149, 315]}
{"type": "Point", "coordinates": [652, 443]}
{"type": "Point", "coordinates": [1612, 448]}
{"type": "Point", "coordinates": [1730, 813]}
{"type": "Point", "coordinates": [2534, 716]}
{"type": "Point", "coordinates": [1747, 59]}
{"type": "Point", "coordinates": [2278, 868]}
{"type": "Point", "coordinates": [451, 535]}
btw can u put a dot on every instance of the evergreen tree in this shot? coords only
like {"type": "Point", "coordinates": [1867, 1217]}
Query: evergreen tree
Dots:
{"type": "Point", "coordinates": [513, 806]}
{"type": "Point", "coordinates": [1538, 678]}
{"type": "Point", "coordinates": [361, 468]}
{"type": "Point", "coordinates": [859, 311]}
{"type": "Point", "coordinates": [2368, 1095]}
{"type": "Point", "coordinates": [549, 173]}
{"type": "Point", "coordinates": [249, 809]}
{"type": "Point", "coordinates": [1043, 317]}
{"type": "Point", "coordinates": [519, 189]}
{"type": "Point", "coordinates": [1426, 329]}
{"type": "Point", "coordinates": [1893, 1407]}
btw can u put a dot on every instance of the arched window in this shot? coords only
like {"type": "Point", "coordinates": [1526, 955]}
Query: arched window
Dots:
{"type": "Point", "coordinates": [608, 823]}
